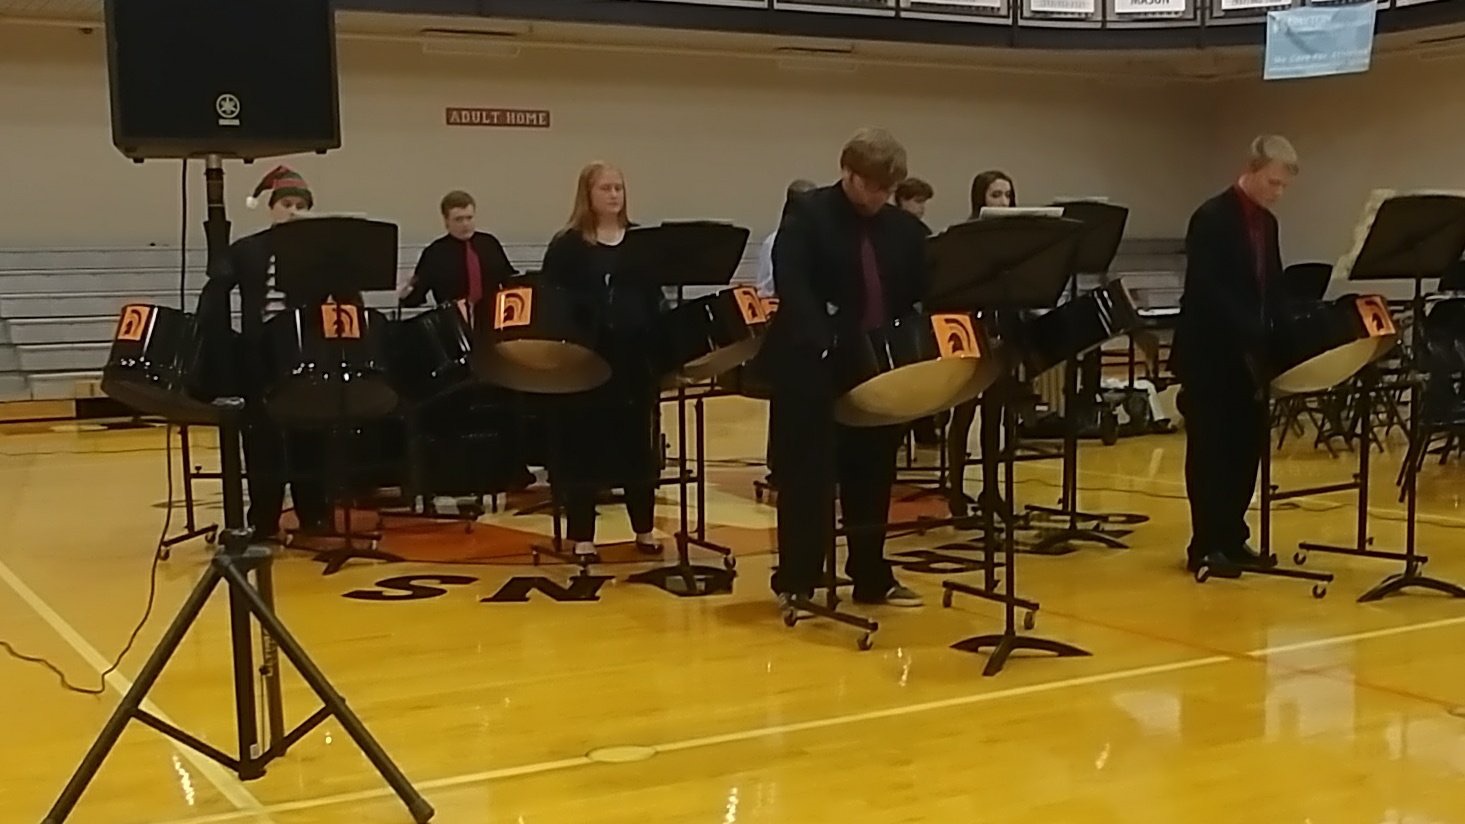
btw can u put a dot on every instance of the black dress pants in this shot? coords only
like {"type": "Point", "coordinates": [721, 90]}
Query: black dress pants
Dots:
{"type": "Point", "coordinates": [269, 468]}
{"type": "Point", "coordinates": [606, 438]}
{"type": "Point", "coordinates": [1226, 431]}
{"type": "Point", "coordinates": [815, 457]}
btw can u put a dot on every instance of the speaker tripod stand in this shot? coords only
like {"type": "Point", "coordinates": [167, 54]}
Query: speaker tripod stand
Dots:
{"type": "Point", "coordinates": [231, 566]}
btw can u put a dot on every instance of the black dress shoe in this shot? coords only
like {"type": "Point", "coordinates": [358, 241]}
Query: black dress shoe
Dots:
{"type": "Point", "coordinates": [1244, 555]}
{"type": "Point", "coordinates": [1217, 565]}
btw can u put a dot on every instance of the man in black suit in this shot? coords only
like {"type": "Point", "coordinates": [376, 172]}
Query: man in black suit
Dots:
{"type": "Point", "coordinates": [464, 264]}
{"type": "Point", "coordinates": [844, 262]}
{"type": "Point", "coordinates": [1232, 282]}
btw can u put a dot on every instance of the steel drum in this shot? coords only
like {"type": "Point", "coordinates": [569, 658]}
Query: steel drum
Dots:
{"type": "Point", "coordinates": [328, 363]}
{"type": "Point", "coordinates": [913, 367]}
{"type": "Point", "coordinates": [710, 336]}
{"type": "Point", "coordinates": [432, 353]}
{"type": "Point", "coordinates": [1073, 329]}
{"type": "Point", "coordinates": [1314, 346]}
{"type": "Point", "coordinates": [161, 363]}
{"type": "Point", "coordinates": [542, 339]}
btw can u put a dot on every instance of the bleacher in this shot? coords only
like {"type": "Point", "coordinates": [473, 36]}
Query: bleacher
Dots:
{"type": "Point", "coordinates": [58, 307]}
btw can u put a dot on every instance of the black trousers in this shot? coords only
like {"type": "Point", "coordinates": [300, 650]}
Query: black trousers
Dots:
{"type": "Point", "coordinates": [601, 439]}
{"type": "Point", "coordinates": [270, 467]}
{"type": "Point", "coordinates": [816, 457]}
{"type": "Point", "coordinates": [1226, 432]}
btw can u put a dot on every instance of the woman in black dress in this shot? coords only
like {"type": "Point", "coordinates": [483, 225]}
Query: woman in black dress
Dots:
{"type": "Point", "coordinates": [605, 437]}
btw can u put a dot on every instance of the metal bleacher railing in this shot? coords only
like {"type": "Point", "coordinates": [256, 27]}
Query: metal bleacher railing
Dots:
{"type": "Point", "coordinates": [58, 307]}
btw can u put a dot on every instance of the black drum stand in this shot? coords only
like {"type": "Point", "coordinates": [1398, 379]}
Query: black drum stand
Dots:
{"type": "Point", "coordinates": [232, 565]}
{"type": "Point", "coordinates": [191, 529]}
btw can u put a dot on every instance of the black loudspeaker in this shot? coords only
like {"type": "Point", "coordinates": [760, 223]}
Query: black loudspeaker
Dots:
{"type": "Point", "coordinates": [235, 78]}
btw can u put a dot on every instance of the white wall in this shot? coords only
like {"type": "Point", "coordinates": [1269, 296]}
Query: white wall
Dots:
{"type": "Point", "coordinates": [698, 137]}
{"type": "Point", "coordinates": [1400, 126]}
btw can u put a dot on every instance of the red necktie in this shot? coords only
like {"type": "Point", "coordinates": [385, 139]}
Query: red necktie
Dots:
{"type": "Point", "coordinates": [874, 315]}
{"type": "Point", "coordinates": [475, 275]}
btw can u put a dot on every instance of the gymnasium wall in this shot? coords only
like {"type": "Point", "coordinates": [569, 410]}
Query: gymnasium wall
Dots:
{"type": "Point", "coordinates": [1399, 127]}
{"type": "Point", "coordinates": [698, 137]}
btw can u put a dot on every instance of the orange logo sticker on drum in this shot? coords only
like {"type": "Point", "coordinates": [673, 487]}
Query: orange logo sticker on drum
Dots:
{"type": "Point", "coordinates": [513, 307]}
{"type": "Point", "coordinates": [751, 306]}
{"type": "Point", "coordinates": [1376, 318]}
{"type": "Point", "coordinates": [770, 306]}
{"type": "Point", "coordinates": [340, 321]}
{"type": "Point", "coordinates": [134, 321]}
{"type": "Point", "coordinates": [955, 335]}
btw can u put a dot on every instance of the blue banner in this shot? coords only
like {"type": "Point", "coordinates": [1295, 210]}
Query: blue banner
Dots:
{"type": "Point", "coordinates": [1314, 41]}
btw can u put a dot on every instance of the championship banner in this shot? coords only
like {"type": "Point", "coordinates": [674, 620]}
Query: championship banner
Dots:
{"type": "Point", "coordinates": [983, 5]}
{"type": "Point", "coordinates": [1246, 5]}
{"type": "Point", "coordinates": [1316, 41]}
{"type": "Point", "coordinates": [1063, 6]}
{"type": "Point", "coordinates": [1150, 6]}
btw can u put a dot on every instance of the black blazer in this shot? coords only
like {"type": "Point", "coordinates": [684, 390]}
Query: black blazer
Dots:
{"type": "Point", "coordinates": [1221, 332]}
{"type": "Point", "coordinates": [442, 269]}
{"type": "Point", "coordinates": [816, 265]}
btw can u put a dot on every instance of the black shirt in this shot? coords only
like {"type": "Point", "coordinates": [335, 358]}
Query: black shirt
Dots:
{"type": "Point", "coordinates": [595, 274]}
{"type": "Point", "coordinates": [442, 269]}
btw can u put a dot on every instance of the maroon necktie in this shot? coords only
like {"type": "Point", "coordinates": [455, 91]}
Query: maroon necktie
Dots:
{"type": "Point", "coordinates": [874, 315]}
{"type": "Point", "coordinates": [475, 275]}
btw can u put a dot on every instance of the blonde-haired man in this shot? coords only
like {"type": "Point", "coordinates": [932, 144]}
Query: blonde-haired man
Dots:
{"type": "Point", "coordinates": [1232, 279]}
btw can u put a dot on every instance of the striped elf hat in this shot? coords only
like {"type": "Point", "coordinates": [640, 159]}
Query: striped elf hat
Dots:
{"type": "Point", "coordinates": [282, 181]}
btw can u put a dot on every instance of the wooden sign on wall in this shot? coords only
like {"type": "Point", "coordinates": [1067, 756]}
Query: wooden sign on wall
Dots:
{"type": "Point", "coordinates": [503, 118]}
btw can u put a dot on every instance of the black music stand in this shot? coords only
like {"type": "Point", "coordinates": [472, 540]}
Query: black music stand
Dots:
{"type": "Point", "coordinates": [1103, 230]}
{"type": "Point", "coordinates": [995, 266]}
{"type": "Point", "coordinates": [320, 259]}
{"type": "Point", "coordinates": [1412, 237]}
{"type": "Point", "coordinates": [677, 255]}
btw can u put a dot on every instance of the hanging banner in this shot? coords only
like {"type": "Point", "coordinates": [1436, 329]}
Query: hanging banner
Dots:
{"type": "Point", "coordinates": [1316, 41]}
{"type": "Point", "coordinates": [1063, 6]}
{"type": "Point", "coordinates": [1150, 6]}
{"type": "Point", "coordinates": [1246, 5]}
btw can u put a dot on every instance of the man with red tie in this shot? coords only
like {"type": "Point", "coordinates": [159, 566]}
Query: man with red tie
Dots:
{"type": "Point", "coordinates": [463, 264]}
{"type": "Point", "coordinates": [845, 262]}
{"type": "Point", "coordinates": [1232, 282]}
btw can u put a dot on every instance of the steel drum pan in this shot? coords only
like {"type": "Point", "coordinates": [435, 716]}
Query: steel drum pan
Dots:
{"type": "Point", "coordinates": [709, 336]}
{"type": "Point", "coordinates": [1073, 329]}
{"type": "Point", "coordinates": [540, 338]}
{"type": "Point", "coordinates": [328, 363]}
{"type": "Point", "coordinates": [432, 353]}
{"type": "Point", "coordinates": [1314, 346]}
{"type": "Point", "coordinates": [161, 363]}
{"type": "Point", "coordinates": [913, 367]}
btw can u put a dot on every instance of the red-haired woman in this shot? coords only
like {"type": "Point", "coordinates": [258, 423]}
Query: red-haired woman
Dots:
{"type": "Point", "coordinates": [605, 436]}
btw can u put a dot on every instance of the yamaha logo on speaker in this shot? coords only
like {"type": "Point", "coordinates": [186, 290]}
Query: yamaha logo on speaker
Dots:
{"type": "Point", "coordinates": [227, 105]}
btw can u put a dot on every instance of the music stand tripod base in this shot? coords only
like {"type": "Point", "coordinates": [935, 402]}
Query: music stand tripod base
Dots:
{"type": "Point", "coordinates": [231, 566]}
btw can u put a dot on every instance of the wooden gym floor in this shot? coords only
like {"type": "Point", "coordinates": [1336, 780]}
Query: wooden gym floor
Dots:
{"type": "Point", "coordinates": [1224, 702]}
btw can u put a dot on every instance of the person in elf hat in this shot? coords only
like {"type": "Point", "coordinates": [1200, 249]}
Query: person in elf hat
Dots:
{"type": "Point", "coordinates": [249, 266]}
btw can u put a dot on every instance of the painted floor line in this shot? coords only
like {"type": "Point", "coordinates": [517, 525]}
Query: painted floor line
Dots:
{"type": "Point", "coordinates": [227, 785]}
